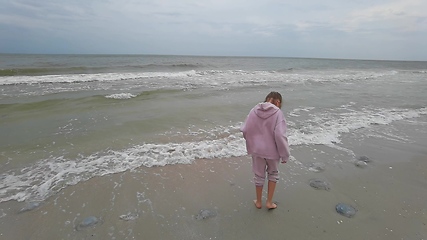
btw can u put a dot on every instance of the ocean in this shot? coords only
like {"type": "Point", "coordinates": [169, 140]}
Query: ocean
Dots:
{"type": "Point", "coordinates": [66, 119]}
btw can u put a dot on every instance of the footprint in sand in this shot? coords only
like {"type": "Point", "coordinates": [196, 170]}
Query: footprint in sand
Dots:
{"type": "Point", "coordinates": [317, 167]}
{"type": "Point", "coordinates": [205, 214]}
{"type": "Point", "coordinates": [319, 184]}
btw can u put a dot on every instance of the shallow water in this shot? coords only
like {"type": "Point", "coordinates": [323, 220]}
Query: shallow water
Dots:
{"type": "Point", "coordinates": [66, 119]}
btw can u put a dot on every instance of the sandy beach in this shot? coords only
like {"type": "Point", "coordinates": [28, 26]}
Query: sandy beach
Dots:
{"type": "Point", "coordinates": [212, 199]}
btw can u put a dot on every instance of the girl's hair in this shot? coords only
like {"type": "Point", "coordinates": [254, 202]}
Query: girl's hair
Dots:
{"type": "Point", "coordinates": [273, 95]}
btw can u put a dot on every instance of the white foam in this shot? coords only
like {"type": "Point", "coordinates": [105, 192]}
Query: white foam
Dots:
{"type": "Point", "coordinates": [327, 127]}
{"type": "Point", "coordinates": [51, 175]}
{"type": "Point", "coordinates": [100, 77]}
{"type": "Point", "coordinates": [129, 216]}
{"type": "Point", "coordinates": [121, 96]}
{"type": "Point", "coordinates": [296, 112]}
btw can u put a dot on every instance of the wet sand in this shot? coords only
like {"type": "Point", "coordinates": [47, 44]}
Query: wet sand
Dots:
{"type": "Point", "coordinates": [164, 202]}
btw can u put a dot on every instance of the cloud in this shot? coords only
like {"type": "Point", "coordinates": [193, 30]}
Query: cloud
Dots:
{"type": "Point", "coordinates": [402, 16]}
{"type": "Point", "coordinates": [222, 26]}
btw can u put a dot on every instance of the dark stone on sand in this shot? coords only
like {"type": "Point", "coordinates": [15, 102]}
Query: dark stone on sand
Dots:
{"type": "Point", "coordinates": [30, 206]}
{"type": "Point", "coordinates": [205, 214]}
{"type": "Point", "coordinates": [319, 184]}
{"type": "Point", "coordinates": [345, 210]}
{"type": "Point", "coordinates": [87, 222]}
{"type": "Point", "coordinates": [364, 159]}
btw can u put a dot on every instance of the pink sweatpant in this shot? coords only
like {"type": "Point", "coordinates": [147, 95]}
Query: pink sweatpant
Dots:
{"type": "Point", "coordinates": [262, 165]}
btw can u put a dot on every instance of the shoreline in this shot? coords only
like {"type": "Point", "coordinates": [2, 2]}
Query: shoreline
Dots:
{"type": "Point", "coordinates": [164, 202]}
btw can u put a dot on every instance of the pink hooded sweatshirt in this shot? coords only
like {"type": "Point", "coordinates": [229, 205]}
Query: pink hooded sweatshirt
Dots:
{"type": "Point", "coordinates": [265, 132]}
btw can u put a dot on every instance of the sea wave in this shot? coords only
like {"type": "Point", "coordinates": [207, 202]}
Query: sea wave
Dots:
{"type": "Point", "coordinates": [172, 66]}
{"type": "Point", "coordinates": [59, 70]}
{"type": "Point", "coordinates": [99, 77]}
{"type": "Point", "coordinates": [196, 77]}
{"type": "Point", "coordinates": [40, 71]}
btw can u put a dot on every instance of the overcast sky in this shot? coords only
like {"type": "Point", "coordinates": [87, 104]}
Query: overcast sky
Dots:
{"type": "Point", "coordinates": [356, 29]}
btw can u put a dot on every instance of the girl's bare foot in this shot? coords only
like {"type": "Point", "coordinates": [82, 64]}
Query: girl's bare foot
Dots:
{"type": "Point", "coordinates": [271, 206]}
{"type": "Point", "coordinates": [257, 204]}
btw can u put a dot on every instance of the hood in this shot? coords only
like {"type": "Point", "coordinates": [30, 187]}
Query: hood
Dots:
{"type": "Point", "coordinates": [265, 110]}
